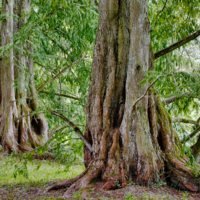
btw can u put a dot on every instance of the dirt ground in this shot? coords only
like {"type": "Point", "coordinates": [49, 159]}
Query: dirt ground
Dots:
{"type": "Point", "coordinates": [32, 192]}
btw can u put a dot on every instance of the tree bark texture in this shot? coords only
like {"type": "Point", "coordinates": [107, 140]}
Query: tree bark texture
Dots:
{"type": "Point", "coordinates": [130, 143]}
{"type": "Point", "coordinates": [28, 132]}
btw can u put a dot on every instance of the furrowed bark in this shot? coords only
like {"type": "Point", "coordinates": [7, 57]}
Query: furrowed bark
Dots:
{"type": "Point", "coordinates": [129, 129]}
{"type": "Point", "coordinates": [195, 147]}
{"type": "Point", "coordinates": [130, 143]}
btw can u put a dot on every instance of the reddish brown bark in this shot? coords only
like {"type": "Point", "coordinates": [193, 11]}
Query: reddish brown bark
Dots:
{"type": "Point", "coordinates": [130, 142]}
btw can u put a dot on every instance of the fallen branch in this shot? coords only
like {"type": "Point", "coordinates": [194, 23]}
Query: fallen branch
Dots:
{"type": "Point", "coordinates": [68, 183]}
{"type": "Point", "coordinates": [188, 121]}
{"type": "Point", "coordinates": [76, 129]}
{"type": "Point", "coordinates": [176, 45]}
{"type": "Point", "coordinates": [52, 79]}
{"type": "Point", "coordinates": [191, 134]}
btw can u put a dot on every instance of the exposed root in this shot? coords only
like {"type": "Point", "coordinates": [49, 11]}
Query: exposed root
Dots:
{"type": "Point", "coordinates": [83, 183]}
{"type": "Point", "coordinates": [181, 175]}
{"type": "Point", "coordinates": [68, 183]}
{"type": "Point", "coordinates": [110, 185]}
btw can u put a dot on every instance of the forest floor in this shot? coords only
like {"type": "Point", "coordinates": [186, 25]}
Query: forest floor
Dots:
{"type": "Point", "coordinates": [24, 181]}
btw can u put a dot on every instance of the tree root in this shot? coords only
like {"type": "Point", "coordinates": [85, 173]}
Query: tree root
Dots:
{"type": "Point", "coordinates": [110, 185]}
{"type": "Point", "coordinates": [68, 183]}
{"type": "Point", "coordinates": [83, 183]}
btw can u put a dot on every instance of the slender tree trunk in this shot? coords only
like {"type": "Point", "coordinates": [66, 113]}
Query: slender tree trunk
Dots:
{"type": "Point", "coordinates": [28, 132]}
{"type": "Point", "coordinates": [130, 143]}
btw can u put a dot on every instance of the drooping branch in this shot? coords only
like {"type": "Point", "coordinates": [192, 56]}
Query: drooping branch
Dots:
{"type": "Point", "coordinates": [74, 126]}
{"type": "Point", "coordinates": [22, 116]}
{"type": "Point", "coordinates": [160, 12]}
{"type": "Point", "coordinates": [76, 129]}
{"type": "Point", "coordinates": [188, 121]}
{"type": "Point", "coordinates": [192, 134]}
{"type": "Point", "coordinates": [61, 95]}
{"type": "Point", "coordinates": [149, 88]}
{"type": "Point", "coordinates": [62, 48]}
{"type": "Point", "coordinates": [45, 67]}
{"type": "Point", "coordinates": [59, 128]}
{"type": "Point", "coordinates": [176, 45]}
{"type": "Point", "coordinates": [52, 79]}
{"type": "Point", "coordinates": [180, 96]}
{"type": "Point", "coordinates": [50, 14]}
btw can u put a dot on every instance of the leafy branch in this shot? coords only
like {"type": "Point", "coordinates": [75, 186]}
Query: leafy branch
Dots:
{"type": "Point", "coordinates": [176, 45]}
{"type": "Point", "coordinates": [69, 122]}
{"type": "Point", "coordinates": [191, 134]}
{"type": "Point", "coordinates": [180, 96]}
{"type": "Point", "coordinates": [149, 88]}
{"type": "Point", "coordinates": [188, 121]}
{"type": "Point", "coordinates": [61, 72]}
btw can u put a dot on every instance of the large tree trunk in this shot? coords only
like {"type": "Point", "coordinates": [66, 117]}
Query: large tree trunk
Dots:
{"type": "Point", "coordinates": [28, 132]}
{"type": "Point", "coordinates": [130, 143]}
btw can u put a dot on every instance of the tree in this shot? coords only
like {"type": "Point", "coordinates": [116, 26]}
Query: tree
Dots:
{"type": "Point", "coordinates": [127, 125]}
{"type": "Point", "coordinates": [26, 133]}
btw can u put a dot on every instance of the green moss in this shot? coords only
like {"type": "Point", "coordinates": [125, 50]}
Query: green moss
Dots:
{"type": "Point", "coordinates": [177, 140]}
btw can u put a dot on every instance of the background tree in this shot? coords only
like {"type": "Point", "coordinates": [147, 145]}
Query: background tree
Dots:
{"type": "Point", "coordinates": [28, 132]}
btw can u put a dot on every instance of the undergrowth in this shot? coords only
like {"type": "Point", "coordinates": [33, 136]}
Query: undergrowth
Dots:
{"type": "Point", "coordinates": [36, 171]}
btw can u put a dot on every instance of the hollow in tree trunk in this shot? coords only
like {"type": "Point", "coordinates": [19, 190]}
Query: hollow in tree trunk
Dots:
{"type": "Point", "coordinates": [28, 132]}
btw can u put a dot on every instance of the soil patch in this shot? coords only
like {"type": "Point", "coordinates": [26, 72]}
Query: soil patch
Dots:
{"type": "Point", "coordinates": [33, 191]}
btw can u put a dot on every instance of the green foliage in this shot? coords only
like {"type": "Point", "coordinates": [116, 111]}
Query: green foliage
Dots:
{"type": "Point", "coordinates": [130, 196]}
{"type": "Point", "coordinates": [191, 163]}
{"type": "Point", "coordinates": [170, 22]}
{"type": "Point", "coordinates": [13, 170]}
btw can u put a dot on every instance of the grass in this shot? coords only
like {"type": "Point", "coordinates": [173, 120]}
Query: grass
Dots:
{"type": "Point", "coordinates": [29, 179]}
{"type": "Point", "coordinates": [36, 171]}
